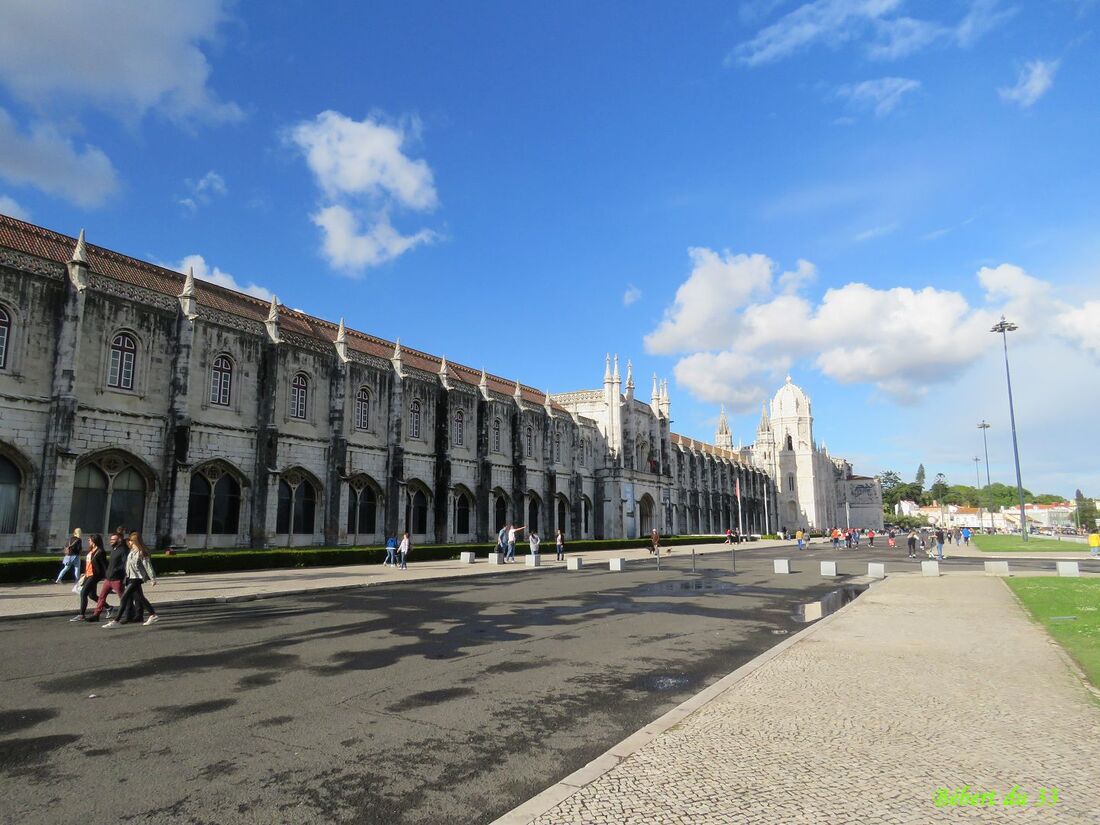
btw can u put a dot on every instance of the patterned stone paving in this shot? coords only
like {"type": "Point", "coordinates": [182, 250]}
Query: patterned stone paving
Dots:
{"type": "Point", "coordinates": [921, 684]}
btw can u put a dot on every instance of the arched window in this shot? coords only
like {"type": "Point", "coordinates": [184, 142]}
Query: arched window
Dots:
{"type": "Point", "coordinates": [299, 395]}
{"type": "Point", "coordinates": [557, 447]}
{"type": "Point", "coordinates": [221, 381]}
{"type": "Point", "coordinates": [460, 431]}
{"type": "Point", "coordinates": [562, 513]}
{"type": "Point", "coordinates": [533, 515]}
{"type": "Point", "coordinates": [10, 481]}
{"type": "Point", "coordinates": [362, 510]}
{"type": "Point", "coordinates": [121, 371]}
{"type": "Point", "coordinates": [530, 442]}
{"type": "Point", "coordinates": [790, 442]}
{"type": "Point", "coordinates": [496, 438]}
{"type": "Point", "coordinates": [107, 493]}
{"type": "Point", "coordinates": [214, 507]}
{"type": "Point", "coordinates": [462, 514]}
{"type": "Point", "coordinates": [414, 420]}
{"type": "Point", "coordinates": [419, 513]}
{"type": "Point", "coordinates": [586, 510]}
{"type": "Point", "coordinates": [297, 503]}
{"type": "Point", "coordinates": [500, 512]}
{"type": "Point", "coordinates": [5, 334]}
{"type": "Point", "coordinates": [790, 482]}
{"type": "Point", "coordinates": [362, 410]}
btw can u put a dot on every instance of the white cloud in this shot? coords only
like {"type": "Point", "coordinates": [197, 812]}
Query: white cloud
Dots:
{"type": "Point", "coordinates": [364, 157]}
{"type": "Point", "coordinates": [49, 161]}
{"type": "Point", "coordinates": [631, 295]}
{"type": "Point", "coordinates": [364, 173]}
{"type": "Point", "coordinates": [216, 276]}
{"type": "Point", "coordinates": [876, 232]}
{"type": "Point", "coordinates": [1035, 80]}
{"type": "Point", "coordinates": [203, 191]}
{"type": "Point", "coordinates": [8, 206]}
{"type": "Point", "coordinates": [881, 95]}
{"type": "Point", "coordinates": [349, 248]}
{"type": "Point", "coordinates": [902, 341]}
{"type": "Point", "coordinates": [122, 57]}
{"type": "Point", "coordinates": [887, 34]}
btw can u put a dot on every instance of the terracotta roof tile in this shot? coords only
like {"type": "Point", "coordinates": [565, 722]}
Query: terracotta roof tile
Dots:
{"type": "Point", "coordinates": [53, 246]}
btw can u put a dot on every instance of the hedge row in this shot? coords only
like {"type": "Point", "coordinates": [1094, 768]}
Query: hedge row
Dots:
{"type": "Point", "coordinates": [31, 568]}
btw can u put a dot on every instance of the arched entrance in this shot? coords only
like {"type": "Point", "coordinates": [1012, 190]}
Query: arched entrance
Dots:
{"type": "Point", "coordinates": [645, 512]}
{"type": "Point", "coordinates": [532, 513]}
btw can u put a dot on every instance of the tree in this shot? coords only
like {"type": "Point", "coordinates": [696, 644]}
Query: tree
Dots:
{"type": "Point", "coordinates": [1086, 510]}
{"type": "Point", "coordinates": [1049, 498]}
{"type": "Point", "coordinates": [939, 487]}
{"type": "Point", "coordinates": [919, 480]}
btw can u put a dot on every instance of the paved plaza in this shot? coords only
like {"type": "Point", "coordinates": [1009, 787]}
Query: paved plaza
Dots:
{"type": "Point", "coordinates": [919, 685]}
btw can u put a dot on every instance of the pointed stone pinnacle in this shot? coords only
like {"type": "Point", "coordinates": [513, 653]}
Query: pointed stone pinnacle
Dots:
{"type": "Point", "coordinates": [341, 333]}
{"type": "Point", "coordinates": [189, 284]}
{"type": "Point", "coordinates": [80, 253]}
{"type": "Point", "coordinates": [273, 312]}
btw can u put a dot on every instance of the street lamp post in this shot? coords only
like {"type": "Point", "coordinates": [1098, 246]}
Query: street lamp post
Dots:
{"type": "Point", "coordinates": [1004, 327]}
{"type": "Point", "coordinates": [978, 478]}
{"type": "Point", "coordinates": [983, 427]}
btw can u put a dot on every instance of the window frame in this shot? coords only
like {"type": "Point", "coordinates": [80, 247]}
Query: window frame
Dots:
{"type": "Point", "coordinates": [362, 409]}
{"type": "Point", "coordinates": [221, 381]}
{"type": "Point", "coordinates": [415, 418]}
{"type": "Point", "coordinates": [530, 442]}
{"type": "Point", "coordinates": [5, 336]}
{"type": "Point", "coordinates": [117, 378]}
{"type": "Point", "coordinates": [496, 435]}
{"type": "Point", "coordinates": [460, 428]}
{"type": "Point", "coordinates": [298, 402]}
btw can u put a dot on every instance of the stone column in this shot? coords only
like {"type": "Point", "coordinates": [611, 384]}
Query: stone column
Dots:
{"type": "Point", "coordinates": [265, 499]}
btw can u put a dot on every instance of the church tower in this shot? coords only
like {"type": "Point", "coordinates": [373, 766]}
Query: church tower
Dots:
{"type": "Point", "coordinates": [723, 438]}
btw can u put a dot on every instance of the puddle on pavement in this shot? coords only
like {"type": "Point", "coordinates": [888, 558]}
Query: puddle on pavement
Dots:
{"type": "Point", "coordinates": [689, 588]}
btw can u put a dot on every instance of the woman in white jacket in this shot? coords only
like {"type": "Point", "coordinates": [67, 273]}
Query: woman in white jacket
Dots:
{"type": "Point", "coordinates": [139, 569]}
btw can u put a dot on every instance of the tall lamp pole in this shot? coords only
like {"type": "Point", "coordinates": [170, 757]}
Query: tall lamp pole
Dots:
{"type": "Point", "coordinates": [983, 427]}
{"type": "Point", "coordinates": [1004, 327]}
{"type": "Point", "coordinates": [978, 478]}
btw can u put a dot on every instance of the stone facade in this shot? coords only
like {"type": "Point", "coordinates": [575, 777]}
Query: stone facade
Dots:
{"type": "Point", "coordinates": [130, 394]}
{"type": "Point", "coordinates": [814, 490]}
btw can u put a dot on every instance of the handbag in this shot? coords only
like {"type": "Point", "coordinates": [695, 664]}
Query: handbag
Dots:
{"type": "Point", "coordinates": [81, 580]}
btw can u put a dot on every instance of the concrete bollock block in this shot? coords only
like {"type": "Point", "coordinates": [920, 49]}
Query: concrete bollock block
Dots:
{"type": "Point", "coordinates": [781, 565]}
{"type": "Point", "coordinates": [876, 570]}
{"type": "Point", "coordinates": [574, 563]}
{"type": "Point", "coordinates": [996, 568]}
{"type": "Point", "coordinates": [467, 556]}
{"type": "Point", "coordinates": [929, 568]}
{"type": "Point", "coordinates": [617, 565]}
{"type": "Point", "coordinates": [534, 560]}
{"type": "Point", "coordinates": [1068, 568]}
{"type": "Point", "coordinates": [828, 569]}
{"type": "Point", "coordinates": [496, 558]}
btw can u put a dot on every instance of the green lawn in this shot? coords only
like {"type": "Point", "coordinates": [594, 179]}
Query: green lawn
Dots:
{"type": "Point", "coordinates": [1050, 598]}
{"type": "Point", "coordinates": [1034, 544]}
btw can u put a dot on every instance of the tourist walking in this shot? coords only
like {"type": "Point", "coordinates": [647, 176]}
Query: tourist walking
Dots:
{"type": "Point", "coordinates": [559, 545]}
{"type": "Point", "coordinates": [871, 537]}
{"type": "Point", "coordinates": [391, 552]}
{"type": "Point", "coordinates": [891, 539]}
{"type": "Point", "coordinates": [1094, 542]}
{"type": "Point", "coordinates": [654, 543]}
{"type": "Point", "coordinates": [95, 568]}
{"type": "Point", "coordinates": [912, 544]}
{"type": "Point", "coordinates": [966, 536]}
{"type": "Point", "coordinates": [729, 536]}
{"type": "Point", "coordinates": [835, 536]}
{"type": "Point", "coordinates": [939, 542]}
{"type": "Point", "coordinates": [534, 540]}
{"type": "Point", "coordinates": [513, 531]}
{"type": "Point", "coordinates": [798, 537]}
{"type": "Point", "coordinates": [71, 559]}
{"type": "Point", "coordinates": [502, 538]}
{"type": "Point", "coordinates": [139, 569]}
{"type": "Point", "coordinates": [116, 569]}
{"type": "Point", "coordinates": [403, 551]}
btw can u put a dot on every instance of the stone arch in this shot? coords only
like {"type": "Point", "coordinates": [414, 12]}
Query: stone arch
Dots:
{"type": "Point", "coordinates": [463, 511]}
{"type": "Point", "coordinates": [217, 499]}
{"type": "Point", "coordinates": [562, 514]}
{"type": "Point", "coordinates": [113, 488]}
{"type": "Point", "coordinates": [366, 508]}
{"type": "Point", "coordinates": [500, 509]}
{"type": "Point", "coordinates": [300, 504]}
{"type": "Point", "coordinates": [418, 509]}
{"type": "Point", "coordinates": [533, 511]}
{"type": "Point", "coordinates": [17, 480]}
{"type": "Point", "coordinates": [646, 510]}
{"type": "Point", "coordinates": [586, 517]}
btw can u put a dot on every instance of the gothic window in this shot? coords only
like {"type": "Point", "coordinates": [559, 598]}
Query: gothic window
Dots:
{"type": "Point", "coordinates": [121, 371]}
{"type": "Point", "coordinates": [5, 334]}
{"type": "Point", "coordinates": [533, 515]}
{"type": "Point", "coordinates": [297, 506]}
{"type": "Point", "coordinates": [500, 512]}
{"type": "Point", "coordinates": [362, 410]}
{"type": "Point", "coordinates": [562, 512]}
{"type": "Point", "coordinates": [586, 507]}
{"type": "Point", "coordinates": [107, 493]}
{"type": "Point", "coordinates": [557, 447]}
{"type": "Point", "coordinates": [419, 513]}
{"type": "Point", "coordinates": [496, 436]}
{"type": "Point", "coordinates": [414, 420]}
{"type": "Point", "coordinates": [460, 429]}
{"type": "Point", "coordinates": [790, 482]}
{"type": "Point", "coordinates": [221, 381]}
{"type": "Point", "coordinates": [530, 442]}
{"type": "Point", "coordinates": [362, 509]}
{"type": "Point", "coordinates": [462, 514]}
{"type": "Point", "coordinates": [299, 395]}
{"type": "Point", "coordinates": [10, 482]}
{"type": "Point", "coordinates": [790, 442]}
{"type": "Point", "coordinates": [214, 506]}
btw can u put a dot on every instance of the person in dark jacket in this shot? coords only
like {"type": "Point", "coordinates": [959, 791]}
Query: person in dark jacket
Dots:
{"type": "Point", "coordinates": [95, 570]}
{"type": "Point", "coordinates": [71, 559]}
{"type": "Point", "coordinates": [116, 569]}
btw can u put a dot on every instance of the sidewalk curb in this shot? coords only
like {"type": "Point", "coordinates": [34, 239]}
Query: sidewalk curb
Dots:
{"type": "Point", "coordinates": [557, 793]}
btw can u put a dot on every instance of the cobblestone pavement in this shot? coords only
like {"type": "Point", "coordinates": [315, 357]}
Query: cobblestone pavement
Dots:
{"type": "Point", "coordinates": [920, 684]}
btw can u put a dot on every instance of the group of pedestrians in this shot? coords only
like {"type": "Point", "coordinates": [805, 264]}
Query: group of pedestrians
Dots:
{"type": "Point", "coordinates": [397, 553]}
{"type": "Point", "coordinates": [851, 537]}
{"type": "Point", "coordinates": [931, 542]}
{"type": "Point", "coordinates": [122, 568]}
{"type": "Point", "coordinates": [509, 533]}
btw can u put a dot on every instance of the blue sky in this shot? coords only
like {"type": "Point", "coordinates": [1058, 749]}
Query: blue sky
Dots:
{"type": "Point", "coordinates": [846, 189]}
